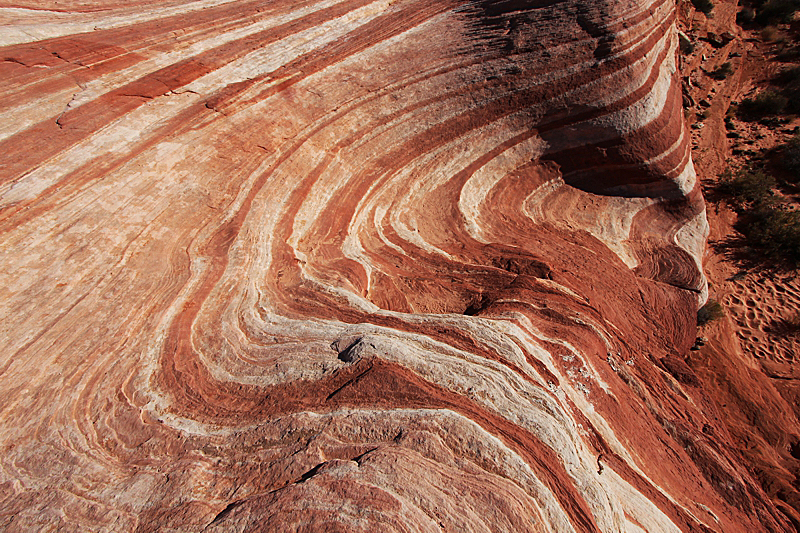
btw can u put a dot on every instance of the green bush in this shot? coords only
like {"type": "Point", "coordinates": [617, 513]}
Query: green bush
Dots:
{"type": "Point", "coordinates": [770, 229]}
{"type": "Point", "coordinates": [777, 11]}
{"type": "Point", "coordinates": [767, 103]}
{"type": "Point", "coordinates": [789, 79]}
{"type": "Point", "coordinates": [710, 312]}
{"type": "Point", "coordinates": [775, 231]}
{"type": "Point", "coordinates": [745, 17]}
{"type": "Point", "coordinates": [790, 159]}
{"type": "Point", "coordinates": [722, 71]}
{"type": "Point", "coordinates": [747, 187]}
{"type": "Point", "coordinates": [704, 6]}
{"type": "Point", "coordinates": [770, 34]}
{"type": "Point", "coordinates": [685, 45]}
{"type": "Point", "coordinates": [792, 324]}
{"type": "Point", "coordinates": [789, 52]}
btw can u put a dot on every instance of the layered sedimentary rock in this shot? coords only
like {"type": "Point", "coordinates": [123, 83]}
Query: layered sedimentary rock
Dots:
{"type": "Point", "coordinates": [394, 265]}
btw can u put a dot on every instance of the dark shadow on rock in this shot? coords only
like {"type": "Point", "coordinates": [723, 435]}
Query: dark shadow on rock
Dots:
{"type": "Point", "coordinates": [737, 250]}
{"type": "Point", "coordinates": [746, 257]}
{"type": "Point", "coordinates": [500, 24]}
{"type": "Point", "coordinates": [783, 327]}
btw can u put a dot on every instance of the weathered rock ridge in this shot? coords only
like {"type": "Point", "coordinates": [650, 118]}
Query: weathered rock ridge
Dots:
{"type": "Point", "coordinates": [393, 265]}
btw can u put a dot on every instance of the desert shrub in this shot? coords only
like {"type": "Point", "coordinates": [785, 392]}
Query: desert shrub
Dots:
{"type": "Point", "coordinates": [789, 80]}
{"type": "Point", "coordinates": [747, 187]}
{"type": "Point", "coordinates": [788, 53]}
{"type": "Point", "coordinates": [745, 17]}
{"type": "Point", "coordinates": [769, 34]}
{"type": "Point", "coordinates": [770, 230]}
{"type": "Point", "coordinates": [685, 45]}
{"type": "Point", "coordinates": [789, 76]}
{"type": "Point", "coordinates": [722, 71]}
{"type": "Point", "coordinates": [775, 232]}
{"type": "Point", "coordinates": [772, 122]}
{"type": "Point", "coordinates": [790, 160]}
{"type": "Point", "coordinates": [710, 312]}
{"type": "Point", "coordinates": [792, 96]}
{"type": "Point", "coordinates": [786, 326]}
{"type": "Point", "coordinates": [793, 323]}
{"type": "Point", "coordinates": [767, 103]}
{"type": "Point", "coordinates": [704, 6]}
{"type": "Point", "coordinates": [777, 11]}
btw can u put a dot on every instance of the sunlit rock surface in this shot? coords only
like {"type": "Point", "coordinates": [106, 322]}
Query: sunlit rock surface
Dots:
{"type": "Point", "coordinates": [401, 265]}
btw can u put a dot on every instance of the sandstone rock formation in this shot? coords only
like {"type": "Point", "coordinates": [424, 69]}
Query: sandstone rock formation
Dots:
{"type": "Point", "coordinates": [392, 265]}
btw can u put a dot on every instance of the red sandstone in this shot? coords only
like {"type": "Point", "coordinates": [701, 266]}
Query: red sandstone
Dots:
{"type": "Point", "coordinates": [353, 266]}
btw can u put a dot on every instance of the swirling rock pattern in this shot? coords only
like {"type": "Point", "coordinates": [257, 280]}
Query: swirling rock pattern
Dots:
{"type": "Point", "coordinates": [353, 265]}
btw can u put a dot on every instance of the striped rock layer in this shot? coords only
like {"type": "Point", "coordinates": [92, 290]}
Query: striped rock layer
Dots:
{"type": "Point", "coordinates": [352, 265]}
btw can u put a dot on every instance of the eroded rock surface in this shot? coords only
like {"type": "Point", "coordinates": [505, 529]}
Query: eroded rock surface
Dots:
{"type": "Point", "coordinates": [353, 266]}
